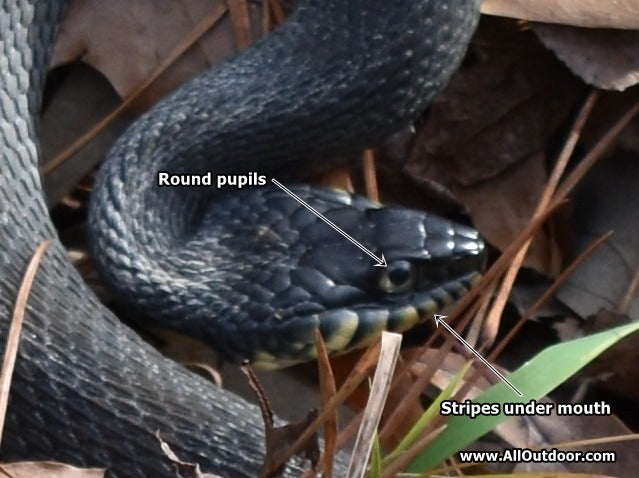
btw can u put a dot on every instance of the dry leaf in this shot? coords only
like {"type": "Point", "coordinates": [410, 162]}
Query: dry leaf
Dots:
{"type": "Point", "coordinates": [125, 41]}
{"type": "Point", "coordinates": [585, 13]}
{"type": "Point", "coordinates": [606, 200]}
{"type": "Point", "coordinates": [615, 370]}
{"type": "Point", "coordinates": [81, 98]}
{"type": "Point", "coordinates": [502, 206]}
{"type": "Point", "coordinates": [49, 469]}
{"type": "Point", "coordinates": [609, 108]}
{"type": "Point", "coordinates": [606, 59]}
{"type": "Point", "coordinates": [503, 106]}
{"type": "Point", "coordinates": [493, 123]}
{"type": "Point", "coordinates": [132, 51]}
{"type": "Point", "coordinates": [279, 440]}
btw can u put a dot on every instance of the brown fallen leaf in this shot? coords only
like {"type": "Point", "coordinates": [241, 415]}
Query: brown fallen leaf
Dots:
{"type": "Point", "coordinates": [501, 207]}
{"type": "Point", "coordinates": [585, 13]}
{"type": "Point", "coordinates": [74, 44]}
{"type": "Point", "coordinates": [606, 200]}
{"type": "Point", "coordinates": [108, 35]}
{"type": "Point", "coordinates": [241, 18]}
{"type": "Point", "coordinates": [48, 469]}
{"type": "Point", "coordinates": [82, 97]}
{"type": "Point", "coordinates": [503, 106]}
{"type": "Point", "coordinates": [142, 62]}
{"type": "Point", "coordinates": [486, 137]}
{"type": "Point", "coordinates": [615, 370]}
{"type": "Point", "coordinates": [606, 59]}
{"type": "Point", "coordinates": [609, 108]}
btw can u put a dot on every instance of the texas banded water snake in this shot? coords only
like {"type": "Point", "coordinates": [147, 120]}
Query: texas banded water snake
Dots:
{"type": "Point", "coordinates": [338, 76]}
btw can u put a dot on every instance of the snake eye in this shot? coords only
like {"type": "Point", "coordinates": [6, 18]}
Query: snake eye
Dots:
{"type": "Point", "coordinates": [398, 277]}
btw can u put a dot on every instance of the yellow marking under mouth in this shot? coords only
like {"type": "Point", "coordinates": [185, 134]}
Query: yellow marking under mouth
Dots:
{"type": "Point", "coordinates": [342, 336]}
{"type": "Point", "coordinates": [409, 317]}
{"type": "Point", "coordinates": [266, 361]}
{"type": "Point", "coordinates": [380, 321]}
{"type": "Point", "coordinates": [430, 307]}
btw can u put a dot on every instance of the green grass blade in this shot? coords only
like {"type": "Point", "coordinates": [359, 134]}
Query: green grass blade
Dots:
{"type": "Point", "coordinates": [538, 377]}
{"type": "Point", "coordinates": [376, 459]}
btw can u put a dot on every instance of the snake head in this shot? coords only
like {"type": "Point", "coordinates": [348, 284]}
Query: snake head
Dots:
{"type": "Point", "coordinates": [319, 280]}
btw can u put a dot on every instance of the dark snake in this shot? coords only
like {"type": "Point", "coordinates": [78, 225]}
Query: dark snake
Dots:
{"type": "Point", "coordinates": [338, 76]}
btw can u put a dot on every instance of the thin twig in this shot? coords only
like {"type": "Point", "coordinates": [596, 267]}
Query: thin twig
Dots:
{"type": "Point", "coordinates": [594, 441]}
{"type": "Point", "coordinates": [630, 294]}
{"type": "Point", "coordinates": [278, 12]}
{"type": "Point", "coordinates": [328, 390]}
{"type": "Point", "coordinates": [566, 273]}
{"type": "Point", "coordinates": [530, 311]}
{"type": "Point", "coordinates": [241, 21]}
{"type": "Point", "coordinates": [13, 337]}
{"type": "Point", "coordinates": [546, 196]}
{"type": "Point", "coordinates": [403, 407]}
{"type": "Point", "coordinates": [358, 375]}
{"type": "Point", "coordinates": [370, 175]}
{"type": "Point", "coordinates": [406, 458]}
{"type": "Point", "coordinates": [595, 153]}
{"type": "Point", "coordinates": [6, 472]}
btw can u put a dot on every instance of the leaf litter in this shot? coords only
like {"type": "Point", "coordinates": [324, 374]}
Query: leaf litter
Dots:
{"type": "Point", "coordinates": [499, 140]}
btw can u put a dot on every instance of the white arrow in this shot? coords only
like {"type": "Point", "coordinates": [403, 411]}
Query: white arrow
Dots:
{"type": "Point", "coordinates": [381, 262]}
{"type": "Point", "coordinates": [439, 319]}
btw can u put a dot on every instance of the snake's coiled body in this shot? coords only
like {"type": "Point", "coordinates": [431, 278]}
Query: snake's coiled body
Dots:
{"type": "Point", "coordinates": [340, 75]}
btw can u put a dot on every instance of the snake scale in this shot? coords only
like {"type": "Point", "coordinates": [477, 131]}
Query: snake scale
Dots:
{"type": "Point", "coordinates": [338, 76]}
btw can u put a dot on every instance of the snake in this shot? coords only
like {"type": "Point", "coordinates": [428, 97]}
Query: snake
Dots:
{"type": "Point", "coordinates": [256, 275]}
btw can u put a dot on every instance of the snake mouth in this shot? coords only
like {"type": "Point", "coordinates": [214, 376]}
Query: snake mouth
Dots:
{"type": "Point", "coordinates": [346, 329]}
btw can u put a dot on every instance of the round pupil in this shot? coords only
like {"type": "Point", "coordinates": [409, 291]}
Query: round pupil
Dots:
{"type": "Point", "coordinates": [399, 274]}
